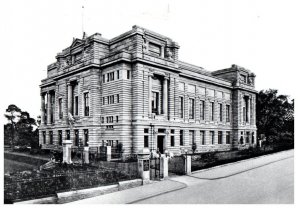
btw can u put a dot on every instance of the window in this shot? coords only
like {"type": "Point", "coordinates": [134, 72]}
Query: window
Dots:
{"type": "Point", "coordinates": [146, 138]}
{"type": "Point", "coordinates": [228, 137]}
{"type": "Point", "coordinates": [220, 112]}
{"type": "Point", "coordinates": [59, 137]}
{"type": "Point", "coordinates": [192, 137]}
{"type": "Point", "coordinates": [202, 137]}
{"type": "Point", "coordinates": [211, 115]}
{"type": "Point", "coordinates": [110, 99]}
{"type": "Point", "coordinates": [76, 142]}
{"type": "Point", "coordinates": [111, 76]}
{"type": "Point", "coordinates": [172, 141]}
{"type": "Point", "coordinates": [117, 119]}
{"type": "Point", "coordinates": [103, 78]}
{"type": "Point", "coordinates": [220, 137]}
{"type": "Point", "coordinates": [243, 78]}
{"type": "Point", "coordinates": [60, 113]}
{"type": "Point", "coordinates": [76, 105]}
{"type": "Point", "coordinates": [181, 137]}
{"type": "Point", "coordinates": [44, 137]}
{"type": "Point", "coordinates": [102, 119]}
{"type": "Point", "coordinates": [67, 134]}
{"type": "Point", "coordinates": [154, 100]}
{"type": "Point", "coordinates": [107, 79]}
{"type": "Point", "coordinates": [128, 74]}
{"type": "Point", "coordinates": [118, 98]}
{"type": "Point", "coordinates": [86, 136]}
{"type": "Point", "coordinates": [245, 109]}
{"type": "Point", "coordinates": [227, 113]}
{"type": "Point", "coordinates": [180, 107]}
{"type": "Point", "coordinates": [109, 119]}
{"type": "Point", "coordinates": [191, 108]}
{"type": "Point", "coordinates": [154, 49]}
{"type": "Point", "coordinates": [86, 104]}
{"type": "Point", "coordinates": [51, 137]}
{"type": "Point", "coordinates": [202, 105]}
{"type": "Point", "coordinates": [212, 136]}
{"type": "Point", "coordinates": [253, 138]}
{"type": "Point", "coordinates": [247, 137]}
{"type": "Point", "coordinates": [146, 141]}
{"type": "Point", "coordinates": [118, 74]}
{"type": "Point", "coordinates": [103, 101]}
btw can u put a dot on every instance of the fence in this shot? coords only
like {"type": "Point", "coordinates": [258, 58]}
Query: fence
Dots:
{"type": "Point", "coordinates": [176, 165]}
{"type": "Point", "coordinates": [47, 183]}
{"type": "Point", "coordinates": [209, 159]}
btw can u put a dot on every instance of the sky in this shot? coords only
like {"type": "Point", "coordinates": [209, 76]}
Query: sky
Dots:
{"type": "Point", "coordinates": [260, 35]}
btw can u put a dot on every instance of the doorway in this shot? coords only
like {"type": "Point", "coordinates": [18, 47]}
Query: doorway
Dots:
{"type": "Point", "coordinates": [160, 143]}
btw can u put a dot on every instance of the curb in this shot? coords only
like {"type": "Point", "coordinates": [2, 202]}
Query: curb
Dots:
{"type": "Point", "coordinates": [240, 161]}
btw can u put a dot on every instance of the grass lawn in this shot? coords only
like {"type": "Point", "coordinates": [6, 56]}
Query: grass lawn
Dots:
{"type": "Point", "coordinates": [12, 166]}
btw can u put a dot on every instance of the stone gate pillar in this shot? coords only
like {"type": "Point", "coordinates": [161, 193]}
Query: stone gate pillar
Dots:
{"type": "Point", "coordinates": [67, 147]}
{"type": "Point", "coordinates": [164, 168]}
{"type": "Point", "coordinates": [86, 155]}
{"type": "Point", "coordinates": [144, 164]}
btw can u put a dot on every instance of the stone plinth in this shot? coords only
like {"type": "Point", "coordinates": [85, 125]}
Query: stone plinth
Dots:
{"type": "Point", "coordinates": [67, 147]}
{"type": "Point", "coordinates": [144, 164]}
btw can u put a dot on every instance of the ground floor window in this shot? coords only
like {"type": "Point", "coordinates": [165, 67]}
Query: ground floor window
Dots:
{"type": "Point", "coordinates": [202, 137]}
{"type": "Point", "coordinates": [181, 138]}
{"type": "Point", "coordinates": [220, 137]}
{"type": "Point", "coordinates": [228, 137]}
{"type": "Point", "coordinates": [44, 137]}
{"type": "Point", "coordinates": [76, 142]}
{"type": "Point", "coordinates": [253, 138]}
{"type": "Point", "coordinates": [86, 136]}
{"type": "Point", "coordinates": [51, 137]}
{"type": "Point", "coordinates": [60, 137]}
{"type": "Point", "coordinates": [172, 141]}
{"type": "Point", "coordinates": [247, 137]}
{"type": "Point", "coordinates": [68, 134]}
{"type": "Point", "coordinates": [212, 136]}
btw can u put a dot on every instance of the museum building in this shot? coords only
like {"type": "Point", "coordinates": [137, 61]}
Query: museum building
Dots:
{"type": "Point", "coordinates": [133, 90]}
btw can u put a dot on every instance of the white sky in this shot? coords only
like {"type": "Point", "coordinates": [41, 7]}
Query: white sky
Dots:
{"type": "Point", "coordinates": [259, 35]}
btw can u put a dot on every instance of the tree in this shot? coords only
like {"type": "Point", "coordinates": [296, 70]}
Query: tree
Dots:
{"type": "Point", "coordinates": [12, 114]}
{"type": "Point", "coordinates": [275, 116]}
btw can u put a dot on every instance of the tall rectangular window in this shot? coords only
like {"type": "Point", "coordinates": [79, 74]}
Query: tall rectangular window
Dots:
{"type": "Point", "coordinates": [146, 141]}
{"type": "Point", "coordinates": [180, 107]}
{"type": "Point", "coordinates": [155, 104]}
{"type": "Point", "coordinates": [76, 142]}
{"type": "Point", "coordinates": [202, 105]}
{"type": "Point", "coordinates": [227, 113]}
{"type": "Point", "coordinates": [202, 137]}
{"type": "Point", "coordinates": [76, 105]}
{"type": "Point", "coordinates": [103, 78]}
{"type": "Point", "coordinates": [118, 74]}
{"type": "Point", "coordinates": [181, 138]}
{"type": "Point", "coordinates": [51, 137]}
{"type": "Point", "coordinates": [212, 111]}
{"type": "Point", "coordinates": [191, 108]}
{"type": "Point", "coordinates": [103, 101]}
{"type": "Point", "coordinates": [220, 137]}
{"type": "Point", "coordinates": [247, 137]}
{"type": "Point", "coordinates": [220, 112]}
{"type": "Point", "coordinates": [212, 137]}
{"type": "Point", "coordinates": [67, 134]}
{"type": "Point", "coordinates": [118, 98]}
{"type": "Point", "coordinates": [192, 137]}
{"type": "Point", "coordinates": [86, 104]}
{"type": "Point", "coordinates": [86, 136]}
{"type": "Point", "coordinates": [60, 113]}
{"type": "Point", "coordinates": [227, 137]}
{"type": "Point", "coordinates": [60, 137]}
{"type": "Point", "coordinates": [128, 74]}
{"type": "Point", "coordinates": [44, 137]}
{"type": "Point", "coordinates": [172, 141]}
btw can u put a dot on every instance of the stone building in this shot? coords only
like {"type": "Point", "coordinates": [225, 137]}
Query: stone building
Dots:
{"type": "Point", "coordinates": [133, 90]}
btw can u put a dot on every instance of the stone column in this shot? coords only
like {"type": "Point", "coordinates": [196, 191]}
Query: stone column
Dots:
{"type": "Point", "coordinates": [150, 94]}
{"type": "Point", "coordinates": [164, 168]}
{"type": "Point", "coordinates": [188, 165]}
{"type": "Point", "coordinates": [42, 108]}
{"type": "Point", "coordinates": [70, 98]}
{"type": "Point", "coordinates": [48, 108]}
{"type": "Point", "coordinates": [67, 147]}
{"type": "Point", "coordinates": [165, 97]}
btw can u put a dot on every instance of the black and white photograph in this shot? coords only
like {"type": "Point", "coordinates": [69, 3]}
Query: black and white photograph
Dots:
{"type": "Point", "coordinates": [149, 102]}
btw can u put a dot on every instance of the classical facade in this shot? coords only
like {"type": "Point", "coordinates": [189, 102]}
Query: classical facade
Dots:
{"type": "Point", "coordinates": [133, 90]}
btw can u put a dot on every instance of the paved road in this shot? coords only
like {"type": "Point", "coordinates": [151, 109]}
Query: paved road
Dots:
{"type": "Point", "coordinates": [266, 183]}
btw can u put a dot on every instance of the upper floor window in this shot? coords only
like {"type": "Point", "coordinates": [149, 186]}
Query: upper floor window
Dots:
{"type": "Point", "coordinates": [212, 111]}
{"type": "Point", "coordinates": [86, 104]}
{"type": "Point", "coordinates": [181, 137]}
{"type": "Point", "coordinates": [191, 108]}
{"type": "Point", "coordinates": [128, 74]}
{"type": "Point", "coordinates": [220, 112]}
{"type": "Point", "coordinates": [227, 113]}
{"type": "Point", "coordinates": [180, 107]}
{"type": "Point", "coordinates": [118, 98]}
{"type": "Point", "coordinates": [154, 100]}
{"type": "Point", "coordinates": [118, 74]}
{"type": "Point", "coordinates": [103, 78]}
{"type": "Point", "coordinates": [76, 106]}
{"type": "Point", "coordinates": [202, 106]}
{"type": "Point", "coordinates": [60, 112]}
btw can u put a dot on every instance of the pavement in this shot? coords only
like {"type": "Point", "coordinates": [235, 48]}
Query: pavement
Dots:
{"type": "Point", "coordinates": [174, 185]}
